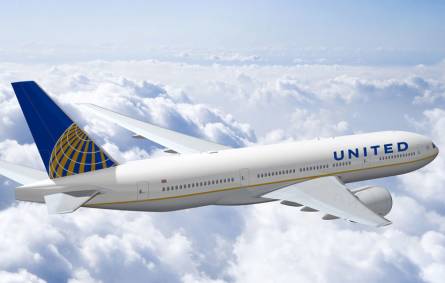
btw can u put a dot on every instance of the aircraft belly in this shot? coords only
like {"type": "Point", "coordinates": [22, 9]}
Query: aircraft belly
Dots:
{"type": "Point", "coordinates": [165, 204]}
{"type": "Point", "coordinates": [242, 196]}
{"type": "Point", "coordinates": [249, 195]}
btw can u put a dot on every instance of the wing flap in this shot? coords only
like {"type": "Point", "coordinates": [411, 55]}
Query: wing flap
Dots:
{"type": "Point", "coordinates": [170, 139]}
{"type": "Point", "coordinates": [329, 195]}
{"type": "Point", "coordinates": [21, 174]}
{"type": "Point", "coordinates": [68, 202]}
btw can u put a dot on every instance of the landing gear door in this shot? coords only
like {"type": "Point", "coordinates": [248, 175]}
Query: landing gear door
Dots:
{"type": "Point", "coordinates": [142, 191]}
{"type": "Point", "coordinates": [244, 177]}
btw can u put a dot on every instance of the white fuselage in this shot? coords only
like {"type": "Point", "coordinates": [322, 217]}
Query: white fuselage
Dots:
{"type": "Point", "coordinates": [241, 176]}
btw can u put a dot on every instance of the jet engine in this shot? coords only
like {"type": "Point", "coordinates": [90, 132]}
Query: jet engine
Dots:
{"type": "Point", "coordinates": [378, 199]}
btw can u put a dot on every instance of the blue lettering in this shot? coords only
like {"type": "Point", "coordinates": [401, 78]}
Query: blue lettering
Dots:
{"type": "Point", "coordinates": [352, 153]}
{"type": "Point", "coordinates": [402, 146]}
{"type": "Point", "coordinates": [388, 148]}
{"type": "Point", "coordinates": [375, 148]}
{"type": "Point", "coordinates": [341, 156]}
{"type": "Point", "coordinates": [365, 152]}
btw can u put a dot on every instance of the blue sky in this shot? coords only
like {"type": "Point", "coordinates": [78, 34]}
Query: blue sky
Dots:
{"type": "Point", "coordinates": [351, 32]}
{"type": "Point", "coordinates": [239, 73]}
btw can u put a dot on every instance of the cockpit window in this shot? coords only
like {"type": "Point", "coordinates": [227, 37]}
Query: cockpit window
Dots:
{"type": "Point", "coordinates": [434, 146]}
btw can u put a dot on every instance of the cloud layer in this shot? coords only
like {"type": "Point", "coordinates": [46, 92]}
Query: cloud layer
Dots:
{"type": "Point", "coordinates": [236, 105]}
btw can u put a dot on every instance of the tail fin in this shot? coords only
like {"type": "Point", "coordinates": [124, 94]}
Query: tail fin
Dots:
{"type": "Point", "coordinates": [65, 149]}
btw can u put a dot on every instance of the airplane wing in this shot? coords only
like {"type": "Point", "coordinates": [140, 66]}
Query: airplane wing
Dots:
{"type": "Point", "coordinates": [331, 196]}
{"type": "Point", "coordinates": [173, 141]}
{"type": "Point", "coordinates": [21, 174]}
{"type": "Point", "coordinates": [69, 201]}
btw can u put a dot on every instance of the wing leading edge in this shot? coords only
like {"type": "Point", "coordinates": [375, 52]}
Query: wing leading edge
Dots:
{"type": "Point", "coordinates": [172, 140]}
{"type": "Point", "coordinates": [329, 195]}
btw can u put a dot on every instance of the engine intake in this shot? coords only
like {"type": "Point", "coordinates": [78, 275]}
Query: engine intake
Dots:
{"type": "Point", "coordinates": [376, 198]}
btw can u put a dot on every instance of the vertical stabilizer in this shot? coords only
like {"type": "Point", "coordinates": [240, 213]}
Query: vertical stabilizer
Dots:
{"type": "Point", "coordinates": [64, 147]}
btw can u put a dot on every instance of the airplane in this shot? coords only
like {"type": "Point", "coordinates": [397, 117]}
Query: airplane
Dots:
{"type": "Point", "coordinates": [311, 175]}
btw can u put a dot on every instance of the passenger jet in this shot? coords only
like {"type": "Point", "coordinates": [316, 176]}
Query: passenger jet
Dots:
{"type": "Point", "coordinates": [310, 175]}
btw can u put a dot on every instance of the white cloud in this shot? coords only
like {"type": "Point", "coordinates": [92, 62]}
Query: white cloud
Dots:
{"type": "Point", "coordinates": [280, 244]}
{"type": "Point", "coordinates": [19, 277]}
{"type": "Point", "coordinates": [95, 245]}
{"type": "Point", "coordinates": [428, 183]}
{"type": "Point", "coordinates": [233, 105]}
{"type": "Point", "coordinates": [82, 276]}
{"type": "Point", "coordinates": [319, 124]}
{"type": "Point", "coordinates": [26, 154]}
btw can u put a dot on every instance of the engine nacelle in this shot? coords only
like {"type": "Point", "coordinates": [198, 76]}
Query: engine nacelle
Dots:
{"type": "Point", "coordinates": [378, 199]}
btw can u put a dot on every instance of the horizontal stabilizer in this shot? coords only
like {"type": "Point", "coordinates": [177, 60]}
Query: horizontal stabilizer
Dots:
{"type": "Point", "coordinates": [331, 196]}
{"type": "Point", "coordinates": [68, 202]}
{"type": "Point", "coordinates": [21, 174]}
{"type": "Point", "coordinates": [170, 139]}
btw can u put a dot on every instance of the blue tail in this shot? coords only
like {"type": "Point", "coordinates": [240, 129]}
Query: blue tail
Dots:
{"type": "Point", "coordinates": [65, 149]}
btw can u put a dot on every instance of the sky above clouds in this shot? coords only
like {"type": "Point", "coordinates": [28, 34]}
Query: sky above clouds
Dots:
{"type": "Point", "coordinates": [240, 74]}
{"type": "Point", "coordinates": [285, 31]}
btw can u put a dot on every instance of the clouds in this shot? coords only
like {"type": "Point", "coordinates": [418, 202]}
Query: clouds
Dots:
{"type": "Point", "coordinates": [96, 245]}
{"type": "Point", "coordinates": [151, 102]}
{"type": "Point", "coordinates": [282, 245]}
{"type": "Point", "coordinates": [235, 105]}
{"type": "Point", "coordinates": [428, 183]}
{"type": "Point", "coordinates": [21, 276]}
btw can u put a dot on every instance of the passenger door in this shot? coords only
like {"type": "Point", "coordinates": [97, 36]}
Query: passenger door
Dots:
{"type": "Point", "coordinates": [142, 191]}
{"type": "Point", "coordinates": [244, 177]}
